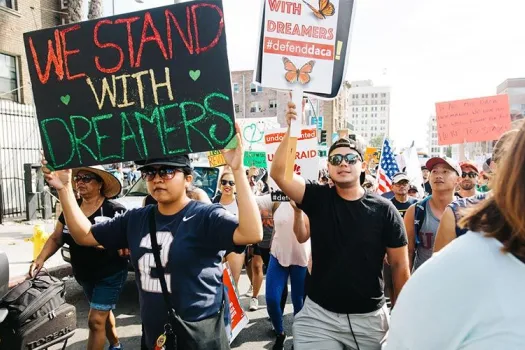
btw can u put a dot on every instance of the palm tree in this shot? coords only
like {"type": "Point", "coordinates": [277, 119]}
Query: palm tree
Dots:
{"type": "Point", "coordinates": [75, 10]}
{"type": "Point", "coordinates": [95, 9]}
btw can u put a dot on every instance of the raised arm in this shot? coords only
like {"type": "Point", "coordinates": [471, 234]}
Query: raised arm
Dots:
{"type": "Point", "coordinates": [446, 232]}
{"type": "Point", "coordinates": [301, 224]}
{"type": "Point", "coordinates": [78, 224]}
{"type": "Point", "coordinates": [294, 188]}
{"type": "Point", "coordinates": [250, 229]}
{"type": "Point", "coordinates": [411, 235]}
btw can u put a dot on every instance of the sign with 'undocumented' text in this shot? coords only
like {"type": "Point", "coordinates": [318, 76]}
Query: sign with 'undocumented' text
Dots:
{"type": "Point", "coordinates": [135, 86]}
{"type": "Point", "coordinates": [306, 157]}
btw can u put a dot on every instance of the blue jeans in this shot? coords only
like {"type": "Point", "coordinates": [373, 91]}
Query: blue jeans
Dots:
{"type": "Point", "coordinates": [276, 281]}
{"type": "Point", "coordinates": [103, 294]}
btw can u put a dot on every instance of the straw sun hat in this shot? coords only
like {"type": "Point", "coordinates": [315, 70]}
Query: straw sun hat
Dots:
{"type": "Point", "coordinates": [111, 187]}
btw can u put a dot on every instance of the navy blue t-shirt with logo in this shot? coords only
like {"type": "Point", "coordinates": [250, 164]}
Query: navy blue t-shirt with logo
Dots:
{"type": "Point", "coordinates": [193, 243]}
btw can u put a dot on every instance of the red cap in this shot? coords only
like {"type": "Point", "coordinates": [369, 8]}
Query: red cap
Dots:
{"type": "Point", "coordinates": [469, 164]}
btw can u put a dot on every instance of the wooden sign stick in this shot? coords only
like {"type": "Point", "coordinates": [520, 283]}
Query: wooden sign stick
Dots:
{"type": "Point", "coordinates": [295, 132]}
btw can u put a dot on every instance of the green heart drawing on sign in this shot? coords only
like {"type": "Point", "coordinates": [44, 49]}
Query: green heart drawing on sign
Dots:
{"type": "Point", "coordinates": [195, 74]}
{"type": "Point", "coordinates": [65, 99]}
{"type": "Point", "coordinates": [252, 134]}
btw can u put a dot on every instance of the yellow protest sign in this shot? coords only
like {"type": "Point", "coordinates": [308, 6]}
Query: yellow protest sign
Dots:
{"type": "Point", "coordinates": [216, 159]}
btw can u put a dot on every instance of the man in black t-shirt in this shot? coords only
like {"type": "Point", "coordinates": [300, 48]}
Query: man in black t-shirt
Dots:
{"type": "Point", "coordinates": [426, 184]}
{"type": "Point", "coordinates": [350, 233]}
{"type": "Point", "coordinates": [401, 200]}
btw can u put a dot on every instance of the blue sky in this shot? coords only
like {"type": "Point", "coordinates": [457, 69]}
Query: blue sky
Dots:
{"type": "Point", "coordinates": [431, 50]}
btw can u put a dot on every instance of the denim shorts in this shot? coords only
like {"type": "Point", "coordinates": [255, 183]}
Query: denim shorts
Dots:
{"type": "Point", "coordinates": [103, 294]}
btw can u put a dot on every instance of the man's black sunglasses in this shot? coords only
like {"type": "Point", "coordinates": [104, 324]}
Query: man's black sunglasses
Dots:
{"type": "Point", "coordinates": [226, 182]}
{"type": "Point", "coordinates": [337, 159]}
{"type": "Point", "coordinates": [86, 178]}
{"type": "Point", "coordinates": [165, 173]}
{"type": "Point", "coordinates": [471, 174]}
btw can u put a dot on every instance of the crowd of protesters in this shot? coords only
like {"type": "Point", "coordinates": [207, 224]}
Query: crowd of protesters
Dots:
{"type": "Point", "coordinates": [451, 260]}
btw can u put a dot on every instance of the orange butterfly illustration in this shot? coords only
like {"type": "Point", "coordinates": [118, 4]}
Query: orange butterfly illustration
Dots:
{"type": "Point", "coordinates": [294, 75]}
{"type": "Point", "coordinates": [326, 8]}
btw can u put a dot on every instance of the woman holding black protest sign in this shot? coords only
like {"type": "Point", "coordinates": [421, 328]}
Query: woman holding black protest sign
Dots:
{"type": "Point", "coordinates": [186, 286]}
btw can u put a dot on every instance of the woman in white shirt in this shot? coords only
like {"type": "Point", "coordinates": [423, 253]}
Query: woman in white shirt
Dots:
{"type": "Point", "coordinates": [468, 296]}
{"type": "Point", "coordinates": [288, 259]}
{"type": "Point", "coordinates": [229, 202]}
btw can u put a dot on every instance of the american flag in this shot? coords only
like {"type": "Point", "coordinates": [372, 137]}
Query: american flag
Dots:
{"type": "Point", "coordinates": [387, 168]}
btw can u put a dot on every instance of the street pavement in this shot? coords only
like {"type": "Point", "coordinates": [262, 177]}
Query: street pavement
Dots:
{"type": "Point", "coordinates": [13, 242]}
{"type": "Point", "coordinates": [257, 334]}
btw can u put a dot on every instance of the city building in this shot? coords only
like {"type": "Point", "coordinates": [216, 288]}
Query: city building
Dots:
{"type": "Point", "coordinates": [433, 148]}
{"type": "Point", "coordinates": [515, 89]}
{"type": "Point", "coordinates": [16, 18]}
{"type": "Point", "coordinates": [19, 140]}
{"type": "Point", "coordinates": [368, 108]}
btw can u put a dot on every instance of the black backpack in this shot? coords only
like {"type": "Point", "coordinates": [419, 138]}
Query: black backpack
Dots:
{"type": "Point", "coordinates": [32, 299]}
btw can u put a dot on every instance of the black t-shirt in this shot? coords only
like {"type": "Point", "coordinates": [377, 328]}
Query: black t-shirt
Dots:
{"type": "Point", "coordinates": [428, 188]}
{"type": "Point", "coordinates": [90, 263]}
{"type": "Point", "coordinates": [349, 241]}
{"type": "Point", "coordinates": [403, 207]}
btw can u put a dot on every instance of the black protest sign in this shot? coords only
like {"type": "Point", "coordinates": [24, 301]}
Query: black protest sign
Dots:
{"type": "Point", "coordinates": [141, 85]}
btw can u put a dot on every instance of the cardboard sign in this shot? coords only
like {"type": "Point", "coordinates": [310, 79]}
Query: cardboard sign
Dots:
{"type": "Point", "coordinates": [256, 159]}
{"type": "Point", "coordinates": [253, 129]}
{"type": "Point", "coordinates": [238, 317]}
{"type": "Point", "coordinates": [139, 85]}
{"type": "Point", "coordinates": [216, 159]}
{"type": "Point", "coordinates": [472, 120]}
{"type": "Point", "coordinates": [304, 43]}
{"type": "Point", "coordinates": [306, 157]}
{"type": "Point", "coordinates": [372, 154]}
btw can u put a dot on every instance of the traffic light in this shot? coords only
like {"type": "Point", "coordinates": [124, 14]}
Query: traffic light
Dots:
{"type": "Point", "coordinates": [323, 136]}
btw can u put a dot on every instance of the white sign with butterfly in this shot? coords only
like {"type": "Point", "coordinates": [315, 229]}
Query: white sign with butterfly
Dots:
{"type": "Point", "coordinates": [299, 44]}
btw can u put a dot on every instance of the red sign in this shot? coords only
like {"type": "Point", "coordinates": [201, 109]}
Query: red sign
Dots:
{"type": "Point", "coordinates": [238, 317]}
{"type": "Point", "coordinates": [472, 120]}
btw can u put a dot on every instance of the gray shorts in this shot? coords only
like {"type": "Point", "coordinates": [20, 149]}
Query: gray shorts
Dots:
{"type": "Point", "coordinates": [315, 328]}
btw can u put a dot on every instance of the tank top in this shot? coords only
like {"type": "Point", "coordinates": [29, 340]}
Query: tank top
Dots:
{"type": "Point", "coordinates": [426, 236]}
{"type": "Point", "coordinates": [285, 247]}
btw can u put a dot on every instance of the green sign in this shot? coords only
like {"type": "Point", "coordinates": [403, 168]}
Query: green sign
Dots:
{"type": "Point", "coordinates": [256, 159]}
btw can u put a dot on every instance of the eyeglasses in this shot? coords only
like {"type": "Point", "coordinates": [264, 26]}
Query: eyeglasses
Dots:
{"type": "Point", "coordinates": [471, 174]}
{"type": "Point", "coordinates": [226, 182]}
{"type": "Point", "coordinates": [84, 178]}
{"type": "Point", "coordinates": [349, 158]}
{"type": "Point", "coordinates": [149, 174]}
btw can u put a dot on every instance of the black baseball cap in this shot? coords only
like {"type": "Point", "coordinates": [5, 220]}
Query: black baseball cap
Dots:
{"type": "Point", "coordinates": [350, 143]}
{"type": "Point", "coordinates": [179, 161]}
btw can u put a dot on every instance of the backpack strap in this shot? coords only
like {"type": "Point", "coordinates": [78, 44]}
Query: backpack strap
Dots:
{"type": "Point", "coordinates": [217, 198]}
{"type": "Point", "coordinates": [419, 216]}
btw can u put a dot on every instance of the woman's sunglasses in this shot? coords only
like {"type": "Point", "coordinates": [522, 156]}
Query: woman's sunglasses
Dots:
{"type": "Point", "coordinates": [471, 174]}
{"type": "Point", "coordinates": [165, 173]}
{"type": "Point", "coordinates": [85, 178]}
{"type": "Point", "coordinates": [349, 158]}
{"type": "Point", "coordinates": [226, 182]}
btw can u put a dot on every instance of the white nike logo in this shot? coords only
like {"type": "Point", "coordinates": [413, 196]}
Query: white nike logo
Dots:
{"type": "Point", "coordinates": [186, 219]}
